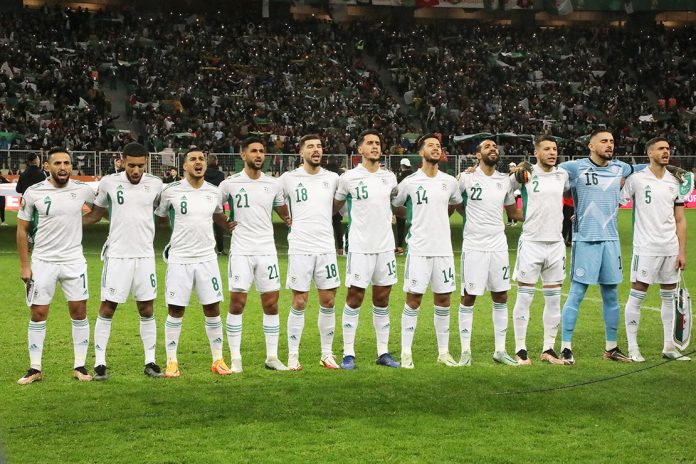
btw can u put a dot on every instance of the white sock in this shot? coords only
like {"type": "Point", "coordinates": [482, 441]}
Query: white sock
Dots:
{"type": "Point", "coordinates": [148, 334]}
{"type": "Point", "coordinates": [500, 324]}
{"type": "Point", "coordinates": [380, 321]}
{"type": "Point", "coordinates": [271, 329]}
{"type": "Point", "coordinates": [213, 329]}
{"type": "Point", "coordinates": [667, 313]}
{"type": "Point", "coordinates": [80, 336]}
{"type": "Point", "coordinates": [327, 327]}
{"type": "Point", "coordinates": [632, 317]}
{"type": "Point", "coordinates": [551, 316]}
{"type": "Point", "coordinates": [102, 331]}
{"type": "Point", "coordinates": [466, 322]}
{"type": "Point", "coordinates": [565, 345]}
{"type": "Point", "coordinates": [172, 331]}
{"type": "Point", "coordinates": [295, 327]}
{"type": "Point", "coordinates": [409, 320]}
{"type": "Point", "coordinates": [234, 334]}
{"type": "Point", "coordinates": [441, 320]}
{"type": "Point", "coordinates": [37, 335]}
{"type": "Point", "coordinates": [349, 321]}
{"type": "Point", "coordinates": [520, 316]}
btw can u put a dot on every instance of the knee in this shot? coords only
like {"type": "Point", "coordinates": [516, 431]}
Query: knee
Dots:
{"type": "Point", "coordinates": [299, 301]}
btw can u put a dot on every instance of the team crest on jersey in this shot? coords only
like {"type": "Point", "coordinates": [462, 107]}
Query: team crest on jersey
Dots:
{"type": "Point", "coordinates": [209, 198]}
{"type": "Point", "coordinates": [265, 189]}
{"type": "Point", "coordinates": [236, 278]}
{"type": "Point", "coordinates": [384, 181]}
{"type": "Point", "coordinates": [444, 186]}
{"type": "Point", "coordinates": [499, 185]}
{"type": "Point", "coordinates": [147, 188]}
{"type": "Point", "coordinates": [73, 195]}
{"type": "Point", "coordinates": [325, 184]}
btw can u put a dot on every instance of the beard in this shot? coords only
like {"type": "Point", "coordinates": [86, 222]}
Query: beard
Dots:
{"type": "Point", "coordinates": [489, 162]}
{"type": "Point", "coordinates": [60, 181]}
{"type": "Point", "coordinates": [252, 165]}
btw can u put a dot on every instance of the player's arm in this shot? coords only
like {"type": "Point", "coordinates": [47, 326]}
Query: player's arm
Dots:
{"type": "Point", "coordinates": [284, 213]}
{"type": "Point", "coordinates": [23, 249]}
{"type": "Point", "coordinates": [224, 222]}
{"type": "Point", "coordinates": [338, 205]}
{"type": "Point", "coordinates": [95, 215]}
{"type": "Point", "coordinates": [680, 219]}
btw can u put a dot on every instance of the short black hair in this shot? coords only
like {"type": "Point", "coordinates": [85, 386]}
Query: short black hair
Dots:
{"type": "Point", "coordinates": [31, 157]}
{"type": "Point", "coordinates": [193, 149]}
{"type": "Point", "coordinates": [479, 145]}
{"type": "Point", "coordinates": [304, 138]}
{"type": "Point", "coordinates": [421, 140]}
{"type": "Point", "coordinates": [544, 138]}
{"type": "Point", "coordinates": [249, 140]}
{"type": "Point", "coordinates": [599, 130]}
{"type": "Point", "coordinates": [55, 150]}
{"type": "Point", "coordinates": [134, 149]}
{"type": "Point", "coordinates": [366, 132]}
{"type": "Point", "coordinates": [653, 141]}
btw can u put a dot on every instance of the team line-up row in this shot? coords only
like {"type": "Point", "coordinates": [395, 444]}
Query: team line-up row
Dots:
{"type": "Point", "coordinates": [306, 199]}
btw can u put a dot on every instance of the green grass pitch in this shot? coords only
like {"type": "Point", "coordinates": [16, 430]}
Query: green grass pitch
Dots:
{"type": "Point", "coordinates": [430, 414]}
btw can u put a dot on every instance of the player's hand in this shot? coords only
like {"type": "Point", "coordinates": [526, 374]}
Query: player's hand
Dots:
{"type": "Point", "coordinates": [288, 221]}
{"type": "Point", "coordinates": [231, 225]}
{"type": "Point", "coordinates": [681, 262]}
{"type": "Point", "coordinates": [470, 170]}
{"type": "Point", "coordinates": [677, 172]}
{"type": "Point", "coordinates": [25, 273]}
{"type": "Point", "coordinates": [522, 172]}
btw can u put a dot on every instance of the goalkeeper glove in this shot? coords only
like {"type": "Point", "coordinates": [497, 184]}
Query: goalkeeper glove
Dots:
{"type": "Point", "coordinates": [524, 169]}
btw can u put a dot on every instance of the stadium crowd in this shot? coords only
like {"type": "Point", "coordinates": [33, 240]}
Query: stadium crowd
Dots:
{"type": "Point", "coordinates": [211, 81]}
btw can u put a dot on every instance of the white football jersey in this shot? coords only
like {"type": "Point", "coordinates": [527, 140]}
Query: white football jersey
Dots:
{"type": "Point", "coordinates": [251, 205]}
{"type": "Point", "coordinates": [427, 199]}
{"type": "Point", "coordinates": [56, 219]}
{"type": "Point", "coordinates": [190, 211]}
{"type": "Point", "coordinates": [654, 227]}
{"type": "Point", "coordinates": [484, 197]}
{"type": "Point", "coordinates": [368, 198]}
{"type": "Point", "coordinates": [542, 204]}
{"type": "Point", "coordinates": [131, 207]}
{"type": "Point", "coordinates": [310, 200]}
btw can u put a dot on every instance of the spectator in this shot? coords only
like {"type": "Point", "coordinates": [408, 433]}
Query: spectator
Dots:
{"type": "Point", "coordinates": [172, 176]}
{"type": "Point", "coordinates": [214, 176]}
{"type": "Point", "coordinates": [33, 174]}
{"type": "Point", "coordinates": [404, 171]}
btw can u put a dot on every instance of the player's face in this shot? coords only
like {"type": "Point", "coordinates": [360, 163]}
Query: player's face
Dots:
{"type": "Point", "coordinates": [602, 145]}
{"type": "Point", "coordinates": [195, 164]}
{"type": "Point", "coordinates": [60, 167]}
{"type": "Point", "coordinates": [488, 153]}
{"type": "Point", "coordinates": [311, 152]}
{"type": "Point", "coordinates": [135, 168]}
{"type": "Point", "coordinates": [431, 150]}
{"type": "Point", "coordinates": [371, 148]}
{"type": "Point", "coordinates": [547, 153]}
{"type": "Point", "coordinates": [253, 156]}
{"type": "Point", "coordinates": [659, 153]}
